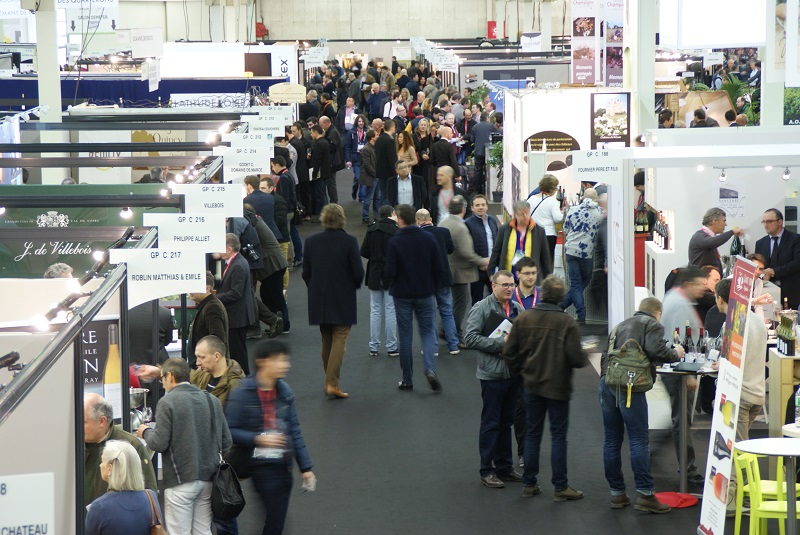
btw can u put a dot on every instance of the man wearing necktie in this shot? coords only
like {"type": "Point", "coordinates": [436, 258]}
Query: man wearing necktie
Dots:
{"type": "Point", "coordinates": [782, 250]}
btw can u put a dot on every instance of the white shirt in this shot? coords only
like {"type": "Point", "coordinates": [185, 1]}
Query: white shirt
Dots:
{"type": "Point", "coordinates": [546, 213]}
{"type": "Point", "coordinates": [405, 193]}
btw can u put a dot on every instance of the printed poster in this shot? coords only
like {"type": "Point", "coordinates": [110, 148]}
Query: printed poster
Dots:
{"type": "Point", "coordinates": [611, 119]}
{"type": "Point", "coordinates": [585, 30]}
{"type": "Point", "coordinates": [726, 403]}
{"type": "Point", "coordinates": [613, 33]}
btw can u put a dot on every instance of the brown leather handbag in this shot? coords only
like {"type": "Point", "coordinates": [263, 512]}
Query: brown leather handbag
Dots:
{"type": "Point", "coordinates": [156, 524]}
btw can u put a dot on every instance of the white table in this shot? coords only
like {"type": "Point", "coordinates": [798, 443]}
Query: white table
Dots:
{"type": "Point", "coordinates": [788, 448]}
{"type": "Point", "coordinates": [791, 430]}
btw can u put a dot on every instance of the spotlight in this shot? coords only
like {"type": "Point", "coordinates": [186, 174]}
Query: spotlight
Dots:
{"type": "Point", "coordinates": [786, 174]}
{"type": "Point", "coordinates": [701, 167]}
{"type": "Point", "coordinates": [2, 210]}
{"type": "Point", "coordinates": [767, 168]}
{"type": "Point", "coordinates": [164, 192]}
{"type": "Point", "coordinates": [126, 213]}
{"type": "Point", "coordinates": [97, 255]}
{"type": "Point", "coordinates": [722, 176]}
{"type": "Point", "coordinates": [40, 323]}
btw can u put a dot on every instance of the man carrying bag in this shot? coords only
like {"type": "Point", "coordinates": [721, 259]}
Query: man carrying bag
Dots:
{"type": "Point", "coordinates": [623, 382]}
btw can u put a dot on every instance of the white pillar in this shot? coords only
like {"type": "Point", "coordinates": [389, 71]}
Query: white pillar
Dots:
{"type": "Point", "coordinates": [639, 64]}
{"type": "Point", "coordinates": [772, 79]}
{"type": "Point", "coordinates": [546, 25]}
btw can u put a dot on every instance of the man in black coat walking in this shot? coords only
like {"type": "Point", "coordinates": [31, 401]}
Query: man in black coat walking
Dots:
{"type": "Point", "coordinates": [321, 169]}
{"type": "Point", "coordinates": [385, 158]}
{"type": "Point", "coordinates": [373, 248]}
{"type": "Point", "coordinates": [235, 292]}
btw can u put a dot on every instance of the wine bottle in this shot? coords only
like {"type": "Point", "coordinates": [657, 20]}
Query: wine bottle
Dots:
{"type": "Point", "coordinates": [645, 221]}
{"type": "Point", "coordinates": [790, 338]}
{"type": "Point", "coordinates": [702, 344]}
{"type": "Point", "coordinates": [688, 343]}
{"type": "Point", "coordinates": [786, 303]}
{"type": "Point", "coordinates": [676, 337]}
{"type": "Point", "coordinates": [736, 247]}
{"type": "Point", "coordinates": [797, 407]}
{"type": "Point", "coordinates": [638, 222]}
{"type": "Point", "coordinates": [112, 375]}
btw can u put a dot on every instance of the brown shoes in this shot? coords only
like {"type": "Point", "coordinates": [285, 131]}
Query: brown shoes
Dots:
{"type": "Point", "coordinates": [334, 392]}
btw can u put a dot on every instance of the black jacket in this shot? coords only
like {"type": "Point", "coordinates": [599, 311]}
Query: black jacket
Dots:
{"type": "Point", "coordinates": [444, 153]}
{"type": "Point", "coordinates": [337, 152]}
{"type": "Point", "coordinates": [301, 167]}
{"type": "Point", "coordinates": [211, 318]}
{"type": "Point", "coordinates": [140, 326]}
{"type": "Point", "coordinates": [309, 109]}
{"type": "Point", "coordinates": [418, 188]}
{"type": "Point", "coordinates": [787, 265]}
{"type": "Point", "coordinates": [446, 246]}
{"type": "Point", "coordinates": [478, 232]}
{"type": "Point", "coordinates": [333, 271]}
{"type": "Point", "coordinates": [284, 189]}
{"type": "Point", "coordinates": [236, 293]}
{"type": "Point", "coordinates": [385, 156]}
{"type": "Point", "coordinates": [373, 248]}
{"type": "Point", "coordinates": [321, 159]}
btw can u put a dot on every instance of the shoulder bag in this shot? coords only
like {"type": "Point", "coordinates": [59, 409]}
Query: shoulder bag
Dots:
{"type": "Point", "coordinates": [156, 524]}
{"type": "Point", "coordinates": [227, 498]}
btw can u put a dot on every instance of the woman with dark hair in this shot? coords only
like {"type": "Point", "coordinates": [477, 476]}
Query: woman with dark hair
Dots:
{"type": "Point", "coordinates": [423, 140]}
{"type": "Point", "coordinates": [333, 272]}
{"type": "Point", "coordinates": [405, 149]}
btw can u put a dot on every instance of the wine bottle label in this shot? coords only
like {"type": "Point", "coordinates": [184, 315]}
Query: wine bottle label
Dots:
{"type": "Point", "coordinates": [113, 394]}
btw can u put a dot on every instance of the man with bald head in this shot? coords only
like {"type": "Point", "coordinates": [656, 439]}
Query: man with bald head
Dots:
{"type": "Point", "coordinates": [377, 125]}
{"type": "Point", "coordinates": [581, 226]}
{"type": "Point", "coordinates": [443, 192]}
{"type": "Point", "coordinates": [443, 153]}
{"type": "Point", "coordinates": [99, 428]}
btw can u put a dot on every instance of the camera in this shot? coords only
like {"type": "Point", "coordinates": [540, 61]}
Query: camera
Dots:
{"type": "Point", "coordinates": [250, 253]}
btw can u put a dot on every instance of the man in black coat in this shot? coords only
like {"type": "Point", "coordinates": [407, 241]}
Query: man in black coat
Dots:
{"type": "Point", "coordinates": [294, 134]}
{"type": "Point", "coordinates": [405, 188]}
{"type": "Point", "coordinates": [445, 190]}
{"type": "Point", "coordinates": [236, 294]}
{"type": "Point", "coordinates": [140, 326]}
{"type": "Point", "coordinates": [211, 317]}
{"type": "Point", "coordinates": [483, 229]}
{"type": "Point", "coordinates": [310, 108]}
{"type": "Point", "coordinates": [337, 156]}
{"type": "Point", "coordinates": [481, 135]}
{"type": "Point", "coordinates": [781, 248]}
{"type": "Point", "coordinates": [263, 204]}
{"type": "Point", "coordinates": [443, 153]}
{"type": "Point", "coordinates": [321, 169]}
{"type": "Point", "coordinates": [444, 296]}
{"type": "Point", "coordinates": [373, 248]}
{"type": "Point", "coordinates": [385, 158]}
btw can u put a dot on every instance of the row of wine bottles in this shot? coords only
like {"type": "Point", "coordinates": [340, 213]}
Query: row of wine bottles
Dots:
{"type": "Point", "coordinates": [661, 232]}
{"type": "Point", "coordinates": [786, 336]}
{"type": "Point", "coordinates": [702, 348]}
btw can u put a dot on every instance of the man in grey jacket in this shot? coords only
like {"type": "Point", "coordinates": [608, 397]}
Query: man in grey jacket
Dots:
{"type": "Point", "coordinates": [190, 449]}
{"type": "Point", "coordinates": [498, 388]}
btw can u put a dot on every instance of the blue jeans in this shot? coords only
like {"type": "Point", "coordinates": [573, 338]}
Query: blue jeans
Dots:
{"type": "Point", "coordinates": [318, 196]}
{"type": "Point", "coordinates": [579, 271]}
{"type": "Point", "coordinates": [226, 527]}
{"type": "Point", "coordinates": [371, 197]}
{"type": "Point", "coordinates": [297, 243]}
{"type": "Point", "coordinates": [356, 174]}
{"type": "Point", "coordinates": [494, 441]}
{"type": "Point", "coordinates": [444, 301]}
{"type": "Point", "coordinates": [558, 412]}
{"type": "Point", "coordinates": [426, 321]}
{"type": "Point", "coordinates": [380, 194]}
{"type": "Point", "coordinates": [617, 418]}
{"type": "Point", "coordinates": [379, 302]}
{"type": "Point", "coordinates": [273, 481]}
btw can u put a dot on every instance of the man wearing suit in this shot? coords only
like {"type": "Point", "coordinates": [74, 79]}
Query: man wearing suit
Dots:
{"type": "Point", "coordinates": [464, 262]}
{"type": "Point", "coordinates": [405, 188]}
{"type": "Point", "coordinates": [385, 158]}
{"type": "Point", "coordinates": [322, 170]}
{"type": "Point", "coordinates": [211, 317]}
{"type": "Point", "coordinates": [444, 296]}
{"type": "Point", "coordinates": [236, 294]}
{"type": "Point", "coordinates": [443, 153]}
{"type": "Point", "coordinates": [481, 135]}
{"type": "Point", "coordinates": [704, 243]}
{"type": "Point", "coordinates": [483, 229]}
{"type": "Point", "coordinates": [263, 204]}
{"type": "Point", "coordinates": [781, 248]}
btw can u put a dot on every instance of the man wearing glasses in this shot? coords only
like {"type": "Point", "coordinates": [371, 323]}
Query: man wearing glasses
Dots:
{"type": "Point", "coordinates": [782, 250]}
{"type": "Point", "coordinates": [704, 243]}
{"type": "Point", "coordinates": [488, 325]}
{"type": "Point", "coordinates": [191, 451]}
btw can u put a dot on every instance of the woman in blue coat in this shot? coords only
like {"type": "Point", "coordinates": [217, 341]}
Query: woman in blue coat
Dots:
{"type": "Point", "coordinates": [333, 272]}
{"type": "Point", "coordinates": [263, 421]}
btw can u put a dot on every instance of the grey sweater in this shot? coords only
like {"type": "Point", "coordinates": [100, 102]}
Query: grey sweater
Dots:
{"type": "Point", "coordinates": [491, 365]}
{"type": "Point", "coordinates": [183, 435]}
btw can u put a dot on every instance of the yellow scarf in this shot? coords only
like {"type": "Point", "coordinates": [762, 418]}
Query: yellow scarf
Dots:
{"type": "Point", "coordinates": [513, 240]}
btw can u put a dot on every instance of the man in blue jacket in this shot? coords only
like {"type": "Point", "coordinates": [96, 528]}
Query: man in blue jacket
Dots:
{"type": "Point", "coordinates": [483, 229]}
{"type": "Point", "coordinates": [413, 290]}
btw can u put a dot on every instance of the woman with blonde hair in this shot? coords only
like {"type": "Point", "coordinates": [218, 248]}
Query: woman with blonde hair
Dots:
{"type": "Point", "coordinates": [427, 107]}
{"type": "Point", "coordinates": [333, 271]}
{"type": "Point", "coordinates": [546, 210]}
{"type": "Point", "coordinates": [126, 508]}
{"type": "Point", "coordinates": [405, 149]}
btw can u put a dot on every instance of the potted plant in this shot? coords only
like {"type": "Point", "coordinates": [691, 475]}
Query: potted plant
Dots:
{"type": "Point", "coordinates": [495, 160]}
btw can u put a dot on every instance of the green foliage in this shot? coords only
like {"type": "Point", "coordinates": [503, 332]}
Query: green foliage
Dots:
{"type": "Point", "coordinates": [699, 87]}
{"type": "Point", "coordinates": [791, 105]}
{"type": "Point", "coordinates": [495, 159]}
{"type": "Point", "coordinates": [477, 95]}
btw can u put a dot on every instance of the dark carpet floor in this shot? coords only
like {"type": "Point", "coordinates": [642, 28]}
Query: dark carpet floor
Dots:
{"type": "Point", "coordinates": [392, 462]}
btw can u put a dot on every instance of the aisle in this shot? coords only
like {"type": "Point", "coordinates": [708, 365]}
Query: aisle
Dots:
{"type": "Point", "coordinates": [391, 462]}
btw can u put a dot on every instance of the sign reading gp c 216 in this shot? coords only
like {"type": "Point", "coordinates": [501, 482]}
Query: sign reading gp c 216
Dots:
{"type": "Point", "coordinates": [27, 503]}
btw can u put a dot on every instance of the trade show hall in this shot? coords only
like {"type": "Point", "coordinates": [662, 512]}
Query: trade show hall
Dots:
{"type": "Point", "coordinates": [398, 462]}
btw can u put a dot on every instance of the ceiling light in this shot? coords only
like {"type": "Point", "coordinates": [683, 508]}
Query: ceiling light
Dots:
{"type": "Point", "coordinates": [97, 255]}
{"type": "Point", "coordinates": [767, 168]}
{"type": "Point", "coordinates": [2, 210]}
{"type": "Point", "coordinates": [722, 176]}
{"type": "Point", "coordinates": [126, 213]}
{"type": "Point", "coordinates": [786, 174]}
{"type": "Point", "coordinates": [701, 167]}
{"type": "Point", "coordinates": [40, 323]}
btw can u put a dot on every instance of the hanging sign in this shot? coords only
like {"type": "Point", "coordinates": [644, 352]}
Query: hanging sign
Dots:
{"type": "Point", "coordinates": [205, 232]}
{"type": "Point", "coordinates": [224, 199]}
{"type": "Point", "coordinates": [585, 41]}
{"type": "Point", "coordinates": [154, 273]}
